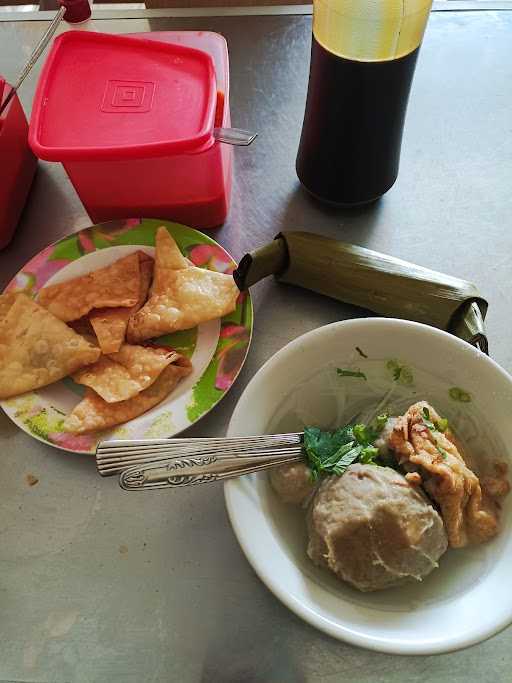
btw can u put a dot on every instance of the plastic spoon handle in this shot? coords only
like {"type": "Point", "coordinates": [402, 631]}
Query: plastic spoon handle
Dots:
{"type": "Point", "coordinates": [234, 136]}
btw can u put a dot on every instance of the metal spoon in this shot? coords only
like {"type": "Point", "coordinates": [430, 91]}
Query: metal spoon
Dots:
{"type": "Point", "coordinates": [165, 463]}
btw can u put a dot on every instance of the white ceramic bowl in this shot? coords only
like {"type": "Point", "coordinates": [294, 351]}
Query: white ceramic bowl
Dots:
{"type": "Point", "coordinates": [464, 601]}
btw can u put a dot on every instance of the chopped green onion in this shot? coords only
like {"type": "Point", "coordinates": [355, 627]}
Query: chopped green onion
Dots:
{"type": "Point", "coordinates": [458, 394]}
{"type": "Point", "coordinates": [406, 376]}
{"type": "Point", "coordinates": [441, 451]}
{"type": "Point", "coordinates": [427, 420]}
{"type": "Point", "coordinates": [350, 373]}
{"type": "Point", "coordinates": [441, 424]}
{"type": "Point", "coordinates": [401, 373]}
{"type": "Point", "coordinates": [361, 434]}
{"type": "Point", "coordinates": [380, 421]}
{"type": "Point", "coordinates": [368, 455]}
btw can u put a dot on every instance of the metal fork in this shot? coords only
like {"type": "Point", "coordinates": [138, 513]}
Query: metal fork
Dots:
{"type": "Point", "coordinates": [168, 463]}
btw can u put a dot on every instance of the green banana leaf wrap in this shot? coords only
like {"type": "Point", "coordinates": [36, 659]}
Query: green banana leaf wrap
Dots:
{"type": "Point", "coordinates": [383, 284]}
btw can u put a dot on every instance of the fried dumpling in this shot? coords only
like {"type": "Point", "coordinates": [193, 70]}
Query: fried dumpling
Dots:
{"type": "Point", "coordinates": [94, 414]}
{"type": "Point", "coordinates": [110, 324]}
{"type": "Point", "coordinates": [122, 375]}
{"type": "Point", "coordinates": [182, 295]}
{"type": "Point", "coordinates": [36, 348]}
{"type": "Point", "coordinates": [420, 447]}
{"type": "Point", "coordinates": [117, 284]}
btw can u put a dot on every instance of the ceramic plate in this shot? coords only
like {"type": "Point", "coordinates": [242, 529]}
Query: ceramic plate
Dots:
{"type": "Point", "coordinates": [217, 348]}
{"type": "Point", "coordinates": [467, 598]}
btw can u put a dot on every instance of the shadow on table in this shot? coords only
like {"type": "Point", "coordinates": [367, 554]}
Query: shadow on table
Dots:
{"type": "Point", "coordinates": [51, 192]}
{"type": "Point", "coordinates": [303, 212]}
{"type": "Point", "coordinates": [244, 662]}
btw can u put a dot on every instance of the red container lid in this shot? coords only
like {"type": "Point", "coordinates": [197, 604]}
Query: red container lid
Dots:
{"type": "Point", "coordinates": [102, 96]}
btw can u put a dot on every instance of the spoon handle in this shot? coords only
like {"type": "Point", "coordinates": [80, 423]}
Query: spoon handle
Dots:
{"type": "Point", "coordinates": [202, 469]}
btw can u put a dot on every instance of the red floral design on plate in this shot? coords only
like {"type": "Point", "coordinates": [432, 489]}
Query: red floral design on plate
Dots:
{"type": "Point", "coordinates": [211, 256]}
{"type": "Point", "coordinates": [36, 273]}
{"type": "Point", "coordinates": [81, 442]}
{"type": "Point", "coordinates": [231, 355]}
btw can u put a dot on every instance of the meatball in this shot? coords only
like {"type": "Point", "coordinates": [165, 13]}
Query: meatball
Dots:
{"type": "Point", "coordinates": [292, 482]}
{"type": "Point", "coordinates": [373, 529]}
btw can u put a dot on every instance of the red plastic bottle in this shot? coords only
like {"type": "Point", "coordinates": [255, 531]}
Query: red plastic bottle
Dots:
{"type": "Point", "coordinates": [17, 166]}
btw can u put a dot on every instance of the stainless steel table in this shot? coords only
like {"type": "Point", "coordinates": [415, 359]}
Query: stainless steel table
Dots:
{"type": "Point", "coordinates": [99, 585]}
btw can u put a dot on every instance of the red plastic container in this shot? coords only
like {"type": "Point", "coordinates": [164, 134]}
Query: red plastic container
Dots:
{"type": "Point", "coordinates": [131, 119]}
{"type": "Point", "coordinates": [17, 166]}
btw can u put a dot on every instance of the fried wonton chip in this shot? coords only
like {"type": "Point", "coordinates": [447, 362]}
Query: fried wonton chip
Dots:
{"type": "Point", "coordinates": [83, 326]}
{"type": "Point", "coordinates": [93, 413]}
{"type": "Point", "coordinates": [36, 348]}
{"type": "Point", "coordinates": [124, 374]}
{"type": "Point", "coordinates": [182, 295]}
{"type": "Point", "coordinates": [6, 301]}
{"type": "Point", "coordinates": [115, 285]}
{"type": "Point", "coordinates": [110, 323]}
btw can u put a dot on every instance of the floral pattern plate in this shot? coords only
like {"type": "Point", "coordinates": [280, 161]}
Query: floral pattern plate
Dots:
{"type": "Point", "coordinates": [217, 348]}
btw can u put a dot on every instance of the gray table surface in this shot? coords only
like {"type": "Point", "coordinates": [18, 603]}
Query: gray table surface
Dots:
{"type": "Point", "coordinates": [104, 586]}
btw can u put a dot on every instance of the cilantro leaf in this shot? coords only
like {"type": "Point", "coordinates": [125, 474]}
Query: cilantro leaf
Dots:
{"type": "Point", "coordinates": [329, 453]}
{"type": "Point", "coordinates": [338, 455]}
{"type": "Point", "coordinates": [346, 460]}
{"type": "Point", "coordinates": [323, 450]}
{"type": "Point", "coordinates": [324, 444]}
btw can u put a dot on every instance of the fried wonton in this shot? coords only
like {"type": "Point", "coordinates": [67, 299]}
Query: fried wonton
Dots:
{"type": "Point", "coordinates": [115, 285]}
{"type": "Point", "coordinates": [36, 348]}
{"type": "Point", "coordinates": [93, 413]}
{"type": "Point", "coordinates": [421, 447]}
{"type": "Point", "coordinates": [121, 375]}
{"type": "Point", "coordinates": [182, 295]}
{"type": "Point", "coordinates": [6, 301]}
{"type": "Point", "coordinates": [82, 326]}
{"type": "Point", "coordinates": [110, 323]}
